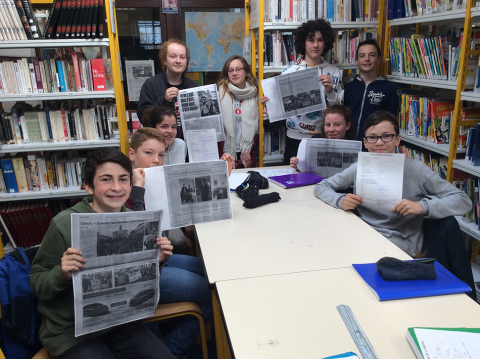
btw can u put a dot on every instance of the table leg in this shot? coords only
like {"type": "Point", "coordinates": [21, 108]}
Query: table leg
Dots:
{"type": "Point", "coordinates": [223, 348]}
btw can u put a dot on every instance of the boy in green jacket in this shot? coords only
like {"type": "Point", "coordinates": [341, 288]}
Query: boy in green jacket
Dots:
{"type": "Point", "coordinates": [108, 177]}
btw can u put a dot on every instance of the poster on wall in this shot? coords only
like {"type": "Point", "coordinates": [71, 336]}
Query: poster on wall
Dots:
{"type": "Point", "coordinates": [170, 6]}
{"type": "Point", "coordinates": [213, 37]}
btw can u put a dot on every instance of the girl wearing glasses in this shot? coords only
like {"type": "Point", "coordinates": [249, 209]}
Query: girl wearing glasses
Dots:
{"type": "Point", "coordinates": [338, 126]}
{"type": "Point", "coordinates": [312, 39]}
{"type": "Point", "coordinates": [238, 90]}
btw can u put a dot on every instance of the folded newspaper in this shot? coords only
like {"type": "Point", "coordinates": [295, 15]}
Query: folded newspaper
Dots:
{"type": "Point", "coordinates": [200, 110]}
{"type": "Point", "coordinates": [189, 193]}
{"type": "Point", "coordinates": [326, 157]}
{"type": "Point", "coordinates": [120, 281]}
{"type": "Point", "coordinates": [294, 94]}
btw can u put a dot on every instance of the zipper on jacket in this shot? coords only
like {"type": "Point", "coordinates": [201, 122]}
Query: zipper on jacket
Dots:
{"type": "Point", "coordinates": [361, 110]}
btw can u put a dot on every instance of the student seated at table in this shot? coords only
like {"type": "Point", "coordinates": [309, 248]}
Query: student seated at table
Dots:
{"type": "Point", "coordinates": [182, 278]}
{"type": "Point", "coordinates": [338, 126]}
{"type": "Point", "coordinates": [108, 175]}
{"type": "Point", "coordinates": [425, 195]}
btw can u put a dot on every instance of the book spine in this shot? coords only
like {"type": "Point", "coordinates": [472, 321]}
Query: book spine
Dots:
{"type": "Point", "coordinates": [66, 136]}
{"type": "Point", "coordinates": [23, 19]}
{"type": "Point", "coordinates": [68, 25]}
{"type": "Point", "coordinates": [61, 79]}
{"type": "Point", "coordinates": [34, 172]}
{"type": "Point", "coordinates": [32, 20]}
{"type": "Point", "coordinates": [75, 18]}
{"type": "Point", "coordinates": [89, 19]}
{"type": "Point", "coordinates": [61, 19]}
{"type": "Point", "coordinates": [94, 18]}
{"type": "Point", "coordinates": [82, 18]}
{"type": "Point", "coordinates": [52, 19]}
{"type": "Point", "coordinates": [20, 174]}
{"type": "Point", "coordinates": [9, 175]}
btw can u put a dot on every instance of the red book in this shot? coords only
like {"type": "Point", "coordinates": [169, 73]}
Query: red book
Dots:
{"type": "Point", "coordinates": [38, 74]}
{"type": "Point", "coordinates": [98, 74]}
{"type": "Point", "coordinates": [77, 72]}
{"type": "Point", "coordinates": [64, 123]}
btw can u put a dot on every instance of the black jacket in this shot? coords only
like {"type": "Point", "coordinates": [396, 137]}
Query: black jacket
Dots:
{"type": "Point", "coordinates": [153, 94]}
{"type": "Point", "coordinates": [363, 100]}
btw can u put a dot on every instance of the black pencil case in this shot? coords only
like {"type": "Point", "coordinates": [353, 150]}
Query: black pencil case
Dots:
{"type": "Point", "coordinates": [395, 269]}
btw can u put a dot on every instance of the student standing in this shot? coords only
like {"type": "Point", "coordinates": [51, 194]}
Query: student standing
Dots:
{"type": "Point", "coordinates": [425, 195]}
{"type": "Point", "coordinates": [369, 92]}
{"type": "Point", "coordinates": [108, 175]}
{"type": "Point", "coordinates": [238, 90]}
{"type": "Point", "coordinates": [162, 89]}
{"type": "Point", "coordinates": [312, 39]}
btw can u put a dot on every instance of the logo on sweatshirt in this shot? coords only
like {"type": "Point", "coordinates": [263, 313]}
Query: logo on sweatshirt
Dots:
{"type": "Point", "coordinates": [290, 124]}
{"type": "Point", "coordinates": [375, 97]}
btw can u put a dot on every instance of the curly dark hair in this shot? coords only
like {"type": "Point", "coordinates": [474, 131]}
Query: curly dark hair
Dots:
{"type": "Point", "coordinates": [308, 29]}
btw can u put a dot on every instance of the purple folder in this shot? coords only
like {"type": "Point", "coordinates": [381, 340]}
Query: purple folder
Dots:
{"type": "Point", "coordinates": [296, 180]}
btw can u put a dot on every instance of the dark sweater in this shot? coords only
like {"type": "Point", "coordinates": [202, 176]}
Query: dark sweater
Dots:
{"type": "Point", "coordinates": [363, 100]}
{"type": "Point", "coordinates": [153, 94]}
{"type": "Point", "coordinates": [54, 292]}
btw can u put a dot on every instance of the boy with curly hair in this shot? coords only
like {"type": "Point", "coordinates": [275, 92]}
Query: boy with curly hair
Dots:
{"type": "Point", "coordinates": [312, 39]}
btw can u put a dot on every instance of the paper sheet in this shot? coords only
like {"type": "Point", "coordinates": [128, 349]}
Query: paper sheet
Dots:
{"type": "Point", "coordinates": [276, 172]}
{"type": "Point", "coordinates": [236, 179]}
{"type": "Point", "coordinates": [202, 145]}
{"type": "Point", "coordinates": [380, 179]}
{"type": "Point", "coordinates": [444, 344]}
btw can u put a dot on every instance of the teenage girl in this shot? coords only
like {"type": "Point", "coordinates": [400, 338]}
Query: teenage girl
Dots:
{"type": "Point", "coordinates": [238, 90]}
{"type": "Point", "coordinates": [338, 126]}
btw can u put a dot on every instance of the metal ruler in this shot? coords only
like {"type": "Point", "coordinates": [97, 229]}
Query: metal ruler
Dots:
{"type": "Point", "coordinates": [357, 333]}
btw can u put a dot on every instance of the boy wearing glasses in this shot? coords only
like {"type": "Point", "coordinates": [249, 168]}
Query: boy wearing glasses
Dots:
{"type": "Point", "coordinates": [425, 195]}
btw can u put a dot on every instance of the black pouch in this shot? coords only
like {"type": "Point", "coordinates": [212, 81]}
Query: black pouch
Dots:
{"type": "Point", "coordinates": [258, 201]}
{"type": "Point", "coordinates": [256, 177]}
{"type": "Point", "coordinates": [246, 191]}
{"type": "Point", "coordinates": [395, 269]}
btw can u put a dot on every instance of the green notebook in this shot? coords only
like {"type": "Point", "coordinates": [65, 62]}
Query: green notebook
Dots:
{"type": "Point", "coordinates": [412, 337]}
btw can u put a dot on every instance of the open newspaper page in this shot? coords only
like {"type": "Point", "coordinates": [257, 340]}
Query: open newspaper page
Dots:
{"type": "Point", "coordinates": [189, 193]}
{"type": "Point", "coordinates": [200, 110]}
{"type": "Point", "coordinates": [294, 94]}
{"type": "Point", "coordinates": [120, 281]}
{"type": "Point", "coordinates": [326, 157]}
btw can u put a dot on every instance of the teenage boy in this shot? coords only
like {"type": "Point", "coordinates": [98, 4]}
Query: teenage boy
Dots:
{"type": "Point", "coordinates": [425, 195]}
{"type": "Point", "coordinates": [182, 278]}
{"type": "Point", "coordinates": [312, 39]}
{"type": "Point", "coordinates": [369, 92]}
{"type": "Point", "coordinates": [108, 175]}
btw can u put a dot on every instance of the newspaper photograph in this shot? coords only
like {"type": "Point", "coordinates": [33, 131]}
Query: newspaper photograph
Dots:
{"type": "Point", "coordinates": [189, 193]}
{"type": "Point", "coordinates": [294, 94]}
{"type": "Point", "coordinates": [137, 73]}
{"type": "Point", "coordinates": [120, 281]}
{"type": "Point", "coordinates": [200, 110]}
{"type": "Point", "coordinates": [326, 157]}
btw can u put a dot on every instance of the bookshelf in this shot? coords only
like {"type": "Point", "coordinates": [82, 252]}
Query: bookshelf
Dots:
{"type": "Point", "coordinates": [256, 27]}
{"type": "Point", "coordinates": [109, 48]}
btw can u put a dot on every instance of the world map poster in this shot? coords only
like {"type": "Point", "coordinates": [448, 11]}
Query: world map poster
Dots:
{"type": "Point", "coordinates": [213, 37]}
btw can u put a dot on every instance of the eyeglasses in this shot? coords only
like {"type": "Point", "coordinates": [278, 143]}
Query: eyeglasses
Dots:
{"type": "Point", "coordinates": [385, 138]}
{"type": "Point", "coordinates": [240, 69]}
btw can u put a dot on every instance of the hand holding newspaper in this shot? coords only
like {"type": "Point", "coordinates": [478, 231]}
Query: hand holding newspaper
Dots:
{"type": "Point", "coordinates": [380, 179]}
{"type": "Point", "coordinates": [120, 281]}
{"type": "Point", "coordinates": [200, 109]}
{"type": "Point", "coordinates": [294, 94]}
{"type": "Point", "coordinates": [326, 157]}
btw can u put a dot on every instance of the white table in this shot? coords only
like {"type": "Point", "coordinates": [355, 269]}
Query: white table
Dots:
{"type": "Point", "coordinates": [295, 316]}
{"type": "Point", "coordinates": [288, 237]}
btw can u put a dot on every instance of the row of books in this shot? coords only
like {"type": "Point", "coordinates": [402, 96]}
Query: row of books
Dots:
{"type": "Point", "coordinates": [68, 19]}
{"type": "Point", "coordinates": [429, 118]}
{"type": "Point", "coordinates": [274, 139]}
{"type": "Point", "coordinates": [436, 164]}
{"type": "Point", "coordinates": [70, 73]}
{"type": "Point", "coordinates": [18, 21]}
{"type": "Point", "coordinates": [280, 49]}
{"type": "Point", "coordinates": [297, 11]}
{"type": "Point", "coordinates": [23, 125]}
{"type": "Point", "coordinates": [407, 8]}
{"type": "Point", "coordinates": [470, 186]}
{"type": "Point", "coordinates": [25, 223]}
{"type": "Point", "coordinates": [428, 58]}
{"type": "Point", "coordinates": [473, 146]}
{"type": "Point", "coordinates": [36, 173]}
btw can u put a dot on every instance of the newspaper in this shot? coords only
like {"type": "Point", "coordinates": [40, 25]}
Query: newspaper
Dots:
{"type": "Point", "coordinates": [137, 73]}
{"type": "Point", "coordinates": [294, 94]}
{"type": "Point", "coordinates": [189, 193]}
{"type": "Point", "coordinates": [326, 157]}
{"type": "Point", "coordinates": [200, 110]}
{"type": "Point", "coordinates": [120, 281]}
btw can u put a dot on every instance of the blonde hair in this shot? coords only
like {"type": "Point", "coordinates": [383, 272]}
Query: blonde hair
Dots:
{"type": "Point", "coordinates": [143, 134]}
{"type": "Point", "coordinates": [163, 52]}
{"type": "Point", "coordinates": [223, 81]}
